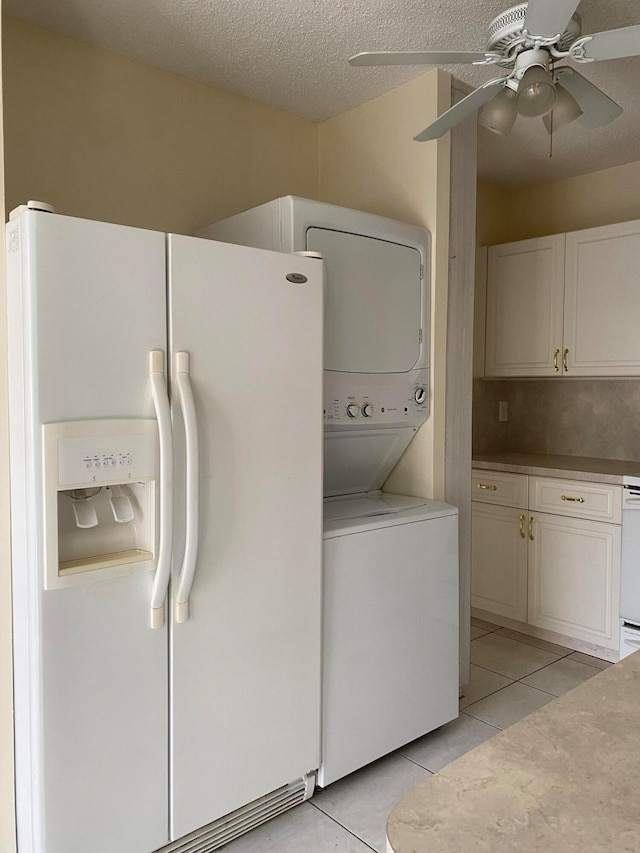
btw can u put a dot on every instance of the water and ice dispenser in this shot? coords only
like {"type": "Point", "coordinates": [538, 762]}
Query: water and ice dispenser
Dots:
{"type": "Point", "coordinates": [100, 499]}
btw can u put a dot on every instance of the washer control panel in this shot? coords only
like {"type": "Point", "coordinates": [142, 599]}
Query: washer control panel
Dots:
{"type": "Point", "coordinates": [102, 459]}
{"type": "Point", "coordinates": [376, 400]}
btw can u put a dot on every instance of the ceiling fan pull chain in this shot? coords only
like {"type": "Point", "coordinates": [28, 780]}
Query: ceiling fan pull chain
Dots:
{"type": "Point", "coordinates": [552, 69]}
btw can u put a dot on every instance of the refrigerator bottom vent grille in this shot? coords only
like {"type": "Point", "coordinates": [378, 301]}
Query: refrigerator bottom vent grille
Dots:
{"type": "Point", "coordinates": [225, 829]}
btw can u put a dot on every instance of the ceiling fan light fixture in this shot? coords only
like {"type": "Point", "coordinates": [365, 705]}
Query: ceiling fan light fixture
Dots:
{"type": "Point", "coordinates": [565, 111]}
{"type": "Point", "coordinates": [500, 113]}
{"type": "Point", "coordinates": [536, 92]}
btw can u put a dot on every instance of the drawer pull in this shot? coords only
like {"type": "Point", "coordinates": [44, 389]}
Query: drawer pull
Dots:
{"type": "Point", "coordinates": [573, 500]}
{"type": "Point", "coordinates": [523, 535]}
{"type": "Point", "coordinates": [531, 528]}
{"type": "Point", "coordinates": [483, 486]}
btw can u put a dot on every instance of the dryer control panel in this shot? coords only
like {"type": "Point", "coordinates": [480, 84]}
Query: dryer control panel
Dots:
{"type": "Point", "coordinates": [371, 400]}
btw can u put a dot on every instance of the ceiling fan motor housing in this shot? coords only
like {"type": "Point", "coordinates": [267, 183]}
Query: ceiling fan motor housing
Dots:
{"type": "Point", "coordinates": [505, 32]}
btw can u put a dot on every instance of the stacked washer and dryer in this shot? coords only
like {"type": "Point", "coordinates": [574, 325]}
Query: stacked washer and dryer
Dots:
{"type": "Point", "coordinates": [390, 625]}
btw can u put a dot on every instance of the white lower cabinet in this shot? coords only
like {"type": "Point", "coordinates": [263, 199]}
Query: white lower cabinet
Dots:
{"type": "Point", "coordinates": [499, 560]}
{"type": "Point", "coordinates": [557, 570]}
{"type": "Point", "coordinates": [574, 578]}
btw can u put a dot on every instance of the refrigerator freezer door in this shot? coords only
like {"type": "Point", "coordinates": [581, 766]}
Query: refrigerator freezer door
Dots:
{"type": "Point", "coordinates": [245, 666]}
{"type": "Point", "coordinates": [86, 305]}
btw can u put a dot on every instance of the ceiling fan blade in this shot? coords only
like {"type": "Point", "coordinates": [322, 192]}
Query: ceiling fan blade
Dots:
{"type": "Point", "coordinates": [548, 17]}
{"type": "Point", "coordinates": [597, 108]}
{"type": "Point", "coordinates": [613, 44]}
{"type": "Point", "coordinates": [459, 112]}
{"type": "Point", "coordinates": [424, 57]}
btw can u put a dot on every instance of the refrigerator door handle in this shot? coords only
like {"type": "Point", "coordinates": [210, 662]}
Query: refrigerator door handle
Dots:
{"type": "Point", "coordinates": [187, 572]}
{"type": "Point", "coordinates": [163, 415]}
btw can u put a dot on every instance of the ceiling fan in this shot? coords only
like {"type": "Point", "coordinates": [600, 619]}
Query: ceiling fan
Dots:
{"type": "Point", "coordinates": [527, 41]}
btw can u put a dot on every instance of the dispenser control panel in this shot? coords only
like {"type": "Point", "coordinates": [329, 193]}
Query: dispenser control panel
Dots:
{"type": "Point", "coordinates": [104, 459]}
{"type": "Point", "coordinates": [100, 499]}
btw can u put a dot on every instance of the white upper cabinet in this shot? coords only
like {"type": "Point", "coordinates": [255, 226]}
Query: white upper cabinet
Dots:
{"type": "Point", "coordinates": [525, 285]}
{"type": "Point", "coordinates": [602, 301]}
{"type": "Point", "coordinates": [565, 305]}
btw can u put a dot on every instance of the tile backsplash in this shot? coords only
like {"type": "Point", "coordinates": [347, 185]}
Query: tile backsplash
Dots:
{"type": "Point", "coordinates": [574, 417]}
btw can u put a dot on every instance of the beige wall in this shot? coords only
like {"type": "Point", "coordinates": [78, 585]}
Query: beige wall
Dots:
{"type": "Point", "coordinates": [103, 137]}
{"type": "Point", "coordinates": [587, 201]}
{"type": "Point", "coordinates": [368, 160]}
{"type": "Point", "coordinates": [600, 198]}
{"type": "Point", "coordinates": [493, 213]}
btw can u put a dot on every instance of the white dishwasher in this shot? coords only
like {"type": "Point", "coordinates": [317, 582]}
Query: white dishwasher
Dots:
{"type": "Point", "coordinates": [630, 567]}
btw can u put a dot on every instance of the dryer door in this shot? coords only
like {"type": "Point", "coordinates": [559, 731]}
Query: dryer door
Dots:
{"type": "Point", "coordinates": [374, 303]}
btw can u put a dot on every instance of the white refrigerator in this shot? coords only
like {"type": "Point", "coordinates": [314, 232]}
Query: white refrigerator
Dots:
{"type": "Point", "coordinates": [166, 436]}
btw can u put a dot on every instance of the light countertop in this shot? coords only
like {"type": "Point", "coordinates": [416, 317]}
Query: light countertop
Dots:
{"type": "Point", "coordinates": [565, 467]}
{"type": "Point", "coordinates": [564, 779]}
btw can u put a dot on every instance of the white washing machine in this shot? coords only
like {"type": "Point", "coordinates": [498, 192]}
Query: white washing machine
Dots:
{"type": "Point", "coordinates": [390, 645]}
{"type": "Point", "coordinates": [390, 623]}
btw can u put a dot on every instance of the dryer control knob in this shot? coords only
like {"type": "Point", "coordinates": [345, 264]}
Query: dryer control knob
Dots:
{"type": "Point", "coordinates": [352, 410]}
{"type": "Point", "coordinates": [367, 410]}
{"type": "Point", "coordinates": [420, 395]}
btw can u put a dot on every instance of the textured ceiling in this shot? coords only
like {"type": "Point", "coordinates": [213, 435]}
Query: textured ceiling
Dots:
{"type": "Point", "coordinates": [292, 54]}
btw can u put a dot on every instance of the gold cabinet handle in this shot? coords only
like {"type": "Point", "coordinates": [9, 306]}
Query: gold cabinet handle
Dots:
{"type": "Point", "coordinates": [573, 500]}
{"type": "Point", "coordinates": [482, 486]}
{"type": "Point", "coordinates": [565, 357]}
{"type": "Point", "coordinates": [523, 535]}
{"type": "Point", "coordinates": [556, 366]}
{"type": "Point", "coordinates": [531, 527]}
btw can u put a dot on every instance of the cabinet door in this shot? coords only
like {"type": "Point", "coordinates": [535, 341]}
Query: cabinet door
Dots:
{"type": "Point", "coordinates": [602, 301]}
{"type": "Point", "coordinates": [499, 560]}
{"type": "Point", "coordinates": [574, 578]}
{"type": "Point", "coordinates": [525, 283]}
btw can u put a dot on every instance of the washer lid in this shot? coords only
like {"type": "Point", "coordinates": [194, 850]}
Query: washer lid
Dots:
{"type": "Point", "coordinates": [367, 506]}
{"type": "Point", "coordinates": [373, 302]}
{"type": "Point", "coordinates": [364, 512]}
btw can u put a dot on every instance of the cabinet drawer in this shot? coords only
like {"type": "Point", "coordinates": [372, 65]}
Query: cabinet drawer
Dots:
{"type": "Point", "coordinates": [577, 498]}
{"type": "Point", "coordinates": [499, 487]}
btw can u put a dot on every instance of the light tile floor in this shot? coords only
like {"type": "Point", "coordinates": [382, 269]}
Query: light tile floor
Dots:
{"type": "Point", "coordinates": [511, 676]}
